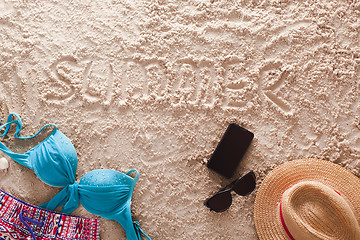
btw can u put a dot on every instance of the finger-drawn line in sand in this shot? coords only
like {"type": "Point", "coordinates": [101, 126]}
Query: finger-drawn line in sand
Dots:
{"type": "Point", "coordinates": [18, 92]}
{"type": "Point", "coordinates": [4, 109]}
{"type": "Point", "coordinates": [217, 34]}
{"type": "Point", "coordinates": [97, 83]}
{"type": "Point", "coordinates": [283, 30]}
{"type": "Point", "coordinates": [41, 51]}
{"type": "Point", "coordinates": [269, 92]}
{"type": "Point", "coordinates": [280, 39]}
{"type": "Point", "coordinates": [109, 93]}
{"type": "Point", "coordinates": [91, 85]}
{"type": "Point", "coordinates": [274, 78]}
{"type": "Point", "coordinates": [355, 140]}
{"type": "Point", "coordinates": [193, 83]}
{"type": "Point", "coordinates": [293, 26]}
{"type": "Point", "coordinates": [184, 85]}
{"type": "Point", "coordinates": [156, 79]}
{"type": "Point", "coordinates": [14, 90]}
{"type": "Point", "coordinates": [85, 82]}
{"type": "Point", "coordinates": [157, 146]}
{"type": "Point", "coordinates": [235, 82]}
{"type": "Point", "coordinates": [206, 94]}
{"type": "Point", "coordinates": [307, 141]}
{"type": "Point", "coordinates": [131, 80]}
{"type": "Point", "coordinates": [59, 79]}
{"type": "Point", "coordinates": [355, 134]}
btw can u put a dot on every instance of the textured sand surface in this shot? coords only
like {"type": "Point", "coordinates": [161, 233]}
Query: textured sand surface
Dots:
{"type": "Point", "coordinates": [152, 85]}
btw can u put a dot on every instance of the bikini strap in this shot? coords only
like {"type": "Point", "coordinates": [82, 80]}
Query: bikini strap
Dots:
{"type": "Point", "coordinates": [137, 174]}
{"type": "Point", "coordinates": [20, 158]}
{"type": "Point", "coordinates": [7, 127]}
{"type": "Point", "coordinates": [18, 123]}
{"type": "Point", "coordinates": [139, 230]}
{"type": "Point", "coordinates": [29, 137]}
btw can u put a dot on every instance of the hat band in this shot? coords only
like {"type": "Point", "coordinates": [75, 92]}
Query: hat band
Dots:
{"type": "Point", "coordinates": [284, 224]}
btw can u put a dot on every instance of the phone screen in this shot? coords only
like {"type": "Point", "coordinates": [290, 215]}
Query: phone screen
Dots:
{"type": "Point", "coordinates": [230, 150]}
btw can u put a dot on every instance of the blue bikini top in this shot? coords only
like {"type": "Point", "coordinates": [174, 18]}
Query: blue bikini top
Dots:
{"type": "Point", "coordinates": [102, 192]}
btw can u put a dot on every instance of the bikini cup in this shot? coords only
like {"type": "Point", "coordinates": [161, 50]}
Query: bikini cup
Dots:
{"type": "Point", "coordinates": [102, 192]}
{"type": "Point", "coordinates": [54, 160]}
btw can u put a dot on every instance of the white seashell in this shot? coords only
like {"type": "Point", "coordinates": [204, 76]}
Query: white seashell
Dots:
{"type": "Point", "coordinates": [4, 163]}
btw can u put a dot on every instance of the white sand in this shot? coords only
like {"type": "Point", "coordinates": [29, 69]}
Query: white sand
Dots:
{"type": "Point", "coordinates": [152, 85]}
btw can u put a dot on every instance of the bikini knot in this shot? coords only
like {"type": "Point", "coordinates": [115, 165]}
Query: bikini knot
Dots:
{"type": "Point", "coordinates": [68, 196]}
{"type": "Point", "coordinates": [74, 198]}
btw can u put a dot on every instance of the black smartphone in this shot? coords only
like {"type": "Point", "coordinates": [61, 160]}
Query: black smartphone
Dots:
{"type": "Point", "coordinates": [230, 150]}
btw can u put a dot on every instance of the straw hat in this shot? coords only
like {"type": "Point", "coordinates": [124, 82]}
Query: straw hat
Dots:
{"type": "Point", "coordinates": [308, 199]}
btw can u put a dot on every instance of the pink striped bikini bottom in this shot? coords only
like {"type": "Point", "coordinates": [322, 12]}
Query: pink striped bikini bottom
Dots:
{"type": "Point", "coordinates": [21, 220]}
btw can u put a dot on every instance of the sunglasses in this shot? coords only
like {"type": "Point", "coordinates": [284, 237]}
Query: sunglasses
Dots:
{"type": "Point", "coordinates": [222, 200]}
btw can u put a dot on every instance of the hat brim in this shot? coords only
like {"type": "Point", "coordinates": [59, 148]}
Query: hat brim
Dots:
{"type": "Point", "coordinates": [266, 208]}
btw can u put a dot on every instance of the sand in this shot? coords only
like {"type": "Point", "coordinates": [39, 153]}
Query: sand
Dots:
{"type": "Point", "coordinates": [152, 85]}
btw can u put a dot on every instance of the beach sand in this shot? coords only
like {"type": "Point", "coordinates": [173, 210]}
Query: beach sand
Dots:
{"type": "Point", "coordinates": [152, 85]}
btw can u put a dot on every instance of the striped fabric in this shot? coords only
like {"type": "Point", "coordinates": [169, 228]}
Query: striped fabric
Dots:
{"type": "Point", "coordinates": [55, 225]}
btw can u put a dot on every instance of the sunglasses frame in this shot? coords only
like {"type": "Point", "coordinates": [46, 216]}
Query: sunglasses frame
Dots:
{"type": "Point", "coordinates": [229, 188]}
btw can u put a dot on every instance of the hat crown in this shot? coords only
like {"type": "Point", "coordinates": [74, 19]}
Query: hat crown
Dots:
{"type": "Point", "coordinates": [312, 210]}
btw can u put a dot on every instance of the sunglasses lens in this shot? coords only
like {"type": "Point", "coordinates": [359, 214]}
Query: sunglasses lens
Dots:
{"type": "Point", "coordinates": [245, 184]}
{"type": "Point", "coordinates": [220, 201]}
